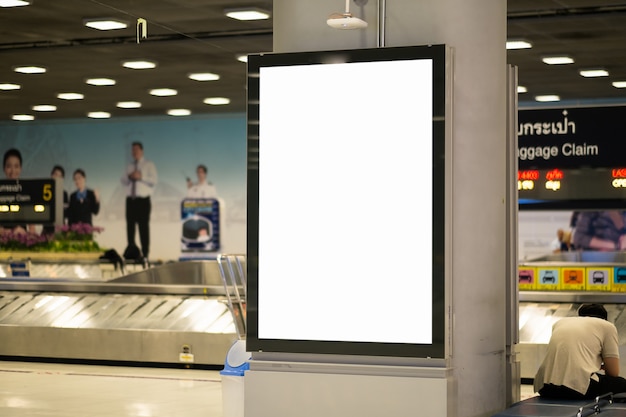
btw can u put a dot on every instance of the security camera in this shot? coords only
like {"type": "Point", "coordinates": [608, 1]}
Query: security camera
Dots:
{"type": "Point", "coordinates": [345, 21]}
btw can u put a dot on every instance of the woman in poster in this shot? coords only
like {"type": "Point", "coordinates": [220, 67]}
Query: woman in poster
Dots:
{"type": "Point", "coordinates": [83, 202]}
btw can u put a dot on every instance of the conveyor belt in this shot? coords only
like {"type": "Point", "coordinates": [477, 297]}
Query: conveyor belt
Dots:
{"type": "Point", "coordinates": [68, 270]}
{"type": "Point", "coordinates": [539, 310]}
{"type": "Point", "coordinates": [536, 319]}
{"type": "Point", "coordinates": [153, 315]}
{"type": "Point", "coordinates": [535, 324]}
{"type": "Point", "coordinates": [115, 311]}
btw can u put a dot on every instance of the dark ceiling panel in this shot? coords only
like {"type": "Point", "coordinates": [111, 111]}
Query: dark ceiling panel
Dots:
{"type": "Point", "coordinates": [194, 35]}
{"type": "Point", "coordinates": [591, 32]}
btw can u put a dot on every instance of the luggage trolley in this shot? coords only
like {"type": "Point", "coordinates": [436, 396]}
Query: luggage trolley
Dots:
{"type": "Point", "coordinates": [233, 273]}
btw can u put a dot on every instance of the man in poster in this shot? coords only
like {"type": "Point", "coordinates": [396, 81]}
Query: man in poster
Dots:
{"type": "Point", "coordinates": [140, 179]}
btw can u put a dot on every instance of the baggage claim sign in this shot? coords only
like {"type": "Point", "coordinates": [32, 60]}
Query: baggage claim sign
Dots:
{"type": "Point", "coordinates": [572, 158]}
{"type": "Point", "coordinates": [32, 201]}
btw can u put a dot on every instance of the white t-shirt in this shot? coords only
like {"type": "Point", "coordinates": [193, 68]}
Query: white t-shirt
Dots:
{"type": "Point", "coordinates": [575, 352]}
{"type": "Point", "coordinates": [202, 190]}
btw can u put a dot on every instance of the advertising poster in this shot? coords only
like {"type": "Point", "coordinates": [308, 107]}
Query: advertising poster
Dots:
{"type": "Point", "coordinates": [103, 151]}
{"type": "Point", "coordinates": [201, 229]}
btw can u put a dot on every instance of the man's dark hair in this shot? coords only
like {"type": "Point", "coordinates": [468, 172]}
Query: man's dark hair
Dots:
{"type": "Point", "coordinates": [81, 172]}
{"type": "Point", "coordinates": [138, 144]}
{"type": "Point", "coordinates": [203, 168]}
{"type": "Point", "coordinates": [593, 310]}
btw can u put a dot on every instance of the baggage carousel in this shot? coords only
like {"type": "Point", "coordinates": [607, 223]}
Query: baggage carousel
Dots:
{"type": "Point", "coordinates": [176, 313]}
{"type": "Point", "coordinates": [539, 310]}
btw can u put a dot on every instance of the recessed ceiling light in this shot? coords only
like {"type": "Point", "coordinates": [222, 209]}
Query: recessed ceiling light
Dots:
{"type": "Point", "coordinates": [518, 44]}
{"type": "Point", "coordinates": [216, 101]}
{"type": "Point", "coordinates": [23, 117]}
{"type": "Point", "coordinates": [250, 13]}
{"type": "Point", "coordinates": [242, 58]}
{"type": "Point", "coordinates": [179, 112]}
{"type": "Point", "coordinates": [45, 107]}
{"type": "Point", "coordinates": [590, 73]}
{"type": "Point", "coordinates": [522, 89]}
{"type": "Point", "coordinates": [70, 96]}
{"type": "Point", "coordinates": [9, 86]}
{"type": "Point", "coordinates": [99, 114]}
{"type": "Point", "coordinates": [163, 92]}
{"type": "Point", "coordinates": [547, 98]}
{"type": "Point", "coordinates": [30, 69]}
{"type": "Point", "coordinates": [619, 84]}
{"type": "Point", "coordinates": [105, 23]}
{"type": "Point", "coordinates": [128, 104]}
{"type": "Point", "coordinates": [139, 64]}
{"type": "Point", "coordinates": [14, 3]}
{"type": "Point", "coordinates": [100, 81]}
{"type": "Point", "coordinates": [558, 60]}
{"type": "Point", "coordinates": [204, 76]}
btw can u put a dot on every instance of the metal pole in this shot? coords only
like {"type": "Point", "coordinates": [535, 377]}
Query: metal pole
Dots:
{"type": "Point", "coordinates": [382, 9]}
{"type": "Point", "coordinates": [512, 290]}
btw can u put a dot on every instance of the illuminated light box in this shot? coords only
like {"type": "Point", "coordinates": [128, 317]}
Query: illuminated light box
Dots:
{"type": "Point", "coordinates": [346, 155]}
{"type": "Point", "coordinates": [577, 154]}
{"type": "Point", "coordinates": [589, 188]}
{"type": "Point", "coordinates": [31, 201]}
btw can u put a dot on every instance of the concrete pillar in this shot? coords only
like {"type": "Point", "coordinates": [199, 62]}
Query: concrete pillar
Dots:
{"type": "Point", "coordinates": [476, 30]}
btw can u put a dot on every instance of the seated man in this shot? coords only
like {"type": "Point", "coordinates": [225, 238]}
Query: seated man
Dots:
{"type": "Point", "coordinates": [579, 348]}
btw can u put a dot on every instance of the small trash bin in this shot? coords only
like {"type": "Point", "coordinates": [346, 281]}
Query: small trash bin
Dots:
{"type": "Point", "coordinates": [232, 379]}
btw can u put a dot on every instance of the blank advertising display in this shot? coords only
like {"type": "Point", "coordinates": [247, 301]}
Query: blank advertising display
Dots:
{"type": "Point", "coordinates": [346, 153]}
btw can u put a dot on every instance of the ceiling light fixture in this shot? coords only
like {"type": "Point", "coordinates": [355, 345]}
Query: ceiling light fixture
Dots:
{"type": "Point", "coordinates": [163, 92]}
{"type": "Point", "coordinates": [128, 104]}
{"type": "Point", "coordinates": [216, 101]}
{"type": "Point", "coordinates": [345, 20]}
{"type": "Point", "coordinates": [9, 86]}
{"type": "Point", "coordinates": [248, 13]}
{"type": "Point", "coordinates": [592, 73]}
{"type": "Point", "coordinates": [547, 98]}
{"type": "Point", "coordinates": [518, 44]}
{"type": "Point", "coordinates": [179, 112]}
{"type": "Point", "coordinates": [619, 84]}
{"type": "Point", "coordinates": [23, 117]}
{"type": "Point", "coordinates": [558, 60]}
{"type": "Point", "coordinates": [70, 96]}
{"type": "Point", "coordinates": [522, 89]}
{"type": "Point", "coordinates": [204, 76]}
{"type": "Point", "coordinates": [100, 81]}
{"type": "Point", "coordinates": [14, 3]}
{"type": "Point", "coordinates": [45, 107]}
{"type": "Point", "coordinates": [99, 114]}
{"type": "Point", "coordinates": [139, 64]}
{"type": "Point", "coordinates": [30, 69]}
{"type": "Point", "coordinates": [105, 23]}
{"type": "Point", "coordinates": [242, 58]}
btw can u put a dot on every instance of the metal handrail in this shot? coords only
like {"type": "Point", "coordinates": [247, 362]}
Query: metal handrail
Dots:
{"type": "Point", "coordinates": [595, 407]}
{"type": "Point", "coordinates": [233, 273]}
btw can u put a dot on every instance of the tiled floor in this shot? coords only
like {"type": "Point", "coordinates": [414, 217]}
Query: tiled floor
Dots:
{"type": "Point", "coordinates": [59, 390]}
{"type": "Point", "coordinates": [527, 391]}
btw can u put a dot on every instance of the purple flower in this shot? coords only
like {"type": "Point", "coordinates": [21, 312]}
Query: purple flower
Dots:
{"type": "Point", "coordinates": [11, 240]}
